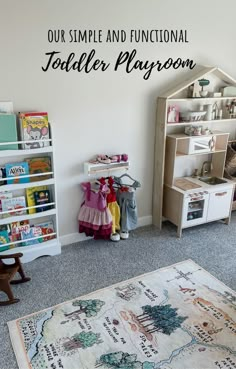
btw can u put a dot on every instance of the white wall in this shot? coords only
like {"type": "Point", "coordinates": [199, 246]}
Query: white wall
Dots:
{"type": "Point", "coordinates": [104, 112]}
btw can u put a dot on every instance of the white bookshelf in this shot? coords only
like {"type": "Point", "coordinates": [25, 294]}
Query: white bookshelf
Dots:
{"type": "Point", "coordinates": [50, 247]}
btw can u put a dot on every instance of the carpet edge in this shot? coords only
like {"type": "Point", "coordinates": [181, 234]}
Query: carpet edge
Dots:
{"type": "Point", "coordinates": [18, 349]}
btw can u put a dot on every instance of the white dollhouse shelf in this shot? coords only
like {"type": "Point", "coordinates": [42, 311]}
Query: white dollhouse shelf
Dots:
{"type": "Point", "coordinates": [91, 168]}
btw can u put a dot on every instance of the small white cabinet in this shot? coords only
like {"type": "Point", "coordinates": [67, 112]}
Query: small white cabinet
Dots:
{"type": "Point", "coordinates": [198, 206]}
{"type": "Point", "coordinates": [219, 204]}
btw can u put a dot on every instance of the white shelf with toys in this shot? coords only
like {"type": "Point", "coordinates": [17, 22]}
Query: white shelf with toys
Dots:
{"type": "Point", "coordinates": [31, 194]}
{"type": "Point", "coordinates": [105, 163]}
{"type": "Point", "coordinates": [90, 168]}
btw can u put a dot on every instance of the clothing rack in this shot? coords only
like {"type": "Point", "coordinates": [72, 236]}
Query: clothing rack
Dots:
{"type": "Point", "coordinates": [117, 181]}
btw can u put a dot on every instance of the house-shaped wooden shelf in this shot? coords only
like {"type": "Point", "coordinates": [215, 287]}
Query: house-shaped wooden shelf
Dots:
{"type": "Point", "coordinates": [183, 99]}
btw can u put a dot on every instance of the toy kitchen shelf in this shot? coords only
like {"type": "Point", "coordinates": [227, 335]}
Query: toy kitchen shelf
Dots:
{"type": "Point", "coordinates": [174, 155]}
{"type": "Point", "coordinates": [177, 146]}
{"type": "Point", "coordinates": [51, 246]}
{"type": "Point", "coordinates": [207, 122]}
{"type": "Point", "coordinates": [93, 168]}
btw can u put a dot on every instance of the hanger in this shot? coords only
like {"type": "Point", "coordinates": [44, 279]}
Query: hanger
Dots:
{"type": "Point", "coordinates": [97, 186]}
{"type": "Point", "coordinates": [95, 181]}
{"type": "Point", "coordinates": [118, 181]}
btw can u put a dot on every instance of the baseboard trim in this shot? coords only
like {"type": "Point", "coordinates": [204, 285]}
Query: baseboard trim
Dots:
{"type": "Point", "coordinates": [145, 221]}
{"type": "Point", "coordinates": [78, 237]}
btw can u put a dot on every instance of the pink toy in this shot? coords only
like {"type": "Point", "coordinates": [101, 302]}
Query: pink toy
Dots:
{"type": "Point", "coordinates": [118, 158]}
{"type": "Point", "coordinates": [105, 159]}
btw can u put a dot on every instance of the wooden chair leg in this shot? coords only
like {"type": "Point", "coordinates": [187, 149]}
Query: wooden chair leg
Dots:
{"type": "Point", "coordinates": [5, 287]}
{"type": "Point", "coordinates": [22, 274]}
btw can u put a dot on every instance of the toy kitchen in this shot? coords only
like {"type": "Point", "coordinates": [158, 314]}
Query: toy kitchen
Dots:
{"type": "Point", "coordinates": [196, 196]}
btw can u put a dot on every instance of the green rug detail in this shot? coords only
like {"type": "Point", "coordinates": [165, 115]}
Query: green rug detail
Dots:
{"type": "Point", "coordinates": [179, 317]}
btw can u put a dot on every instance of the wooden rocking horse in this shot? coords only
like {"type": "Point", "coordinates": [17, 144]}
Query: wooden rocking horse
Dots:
{"type": "Point", "coordinates": [7, 272]}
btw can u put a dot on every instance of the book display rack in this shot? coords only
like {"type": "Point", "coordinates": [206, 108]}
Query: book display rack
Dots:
{"type": "Point", "coordinates": [28, 200]}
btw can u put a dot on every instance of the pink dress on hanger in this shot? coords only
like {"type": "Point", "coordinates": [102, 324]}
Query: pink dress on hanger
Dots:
{"type": "Point", "coordinates": [95, 218]}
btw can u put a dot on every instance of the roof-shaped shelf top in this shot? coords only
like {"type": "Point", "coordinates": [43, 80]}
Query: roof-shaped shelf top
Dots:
{"type": "Point", "coordinates": [217, 79]}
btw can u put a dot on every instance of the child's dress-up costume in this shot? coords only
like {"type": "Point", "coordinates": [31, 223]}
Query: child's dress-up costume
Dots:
{"type": "Point", "coordinates": [128, 206]}
{"type": "Point", "coordinates": [94, 217]}
{"type": "Point", "coordinates": [128, 209]}
{"type": "Point", "coordinates": [113, 207]}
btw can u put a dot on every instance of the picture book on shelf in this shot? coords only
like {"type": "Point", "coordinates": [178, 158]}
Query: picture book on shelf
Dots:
{"type": "Point", "coordinates": [32, 232]}
{"type": "Point", "coordinates": [8, 131]}
{"type": "Point", "coordinates": [30, 197]}
{"type": "Point", "coordinates": [4, 239]}
{"type": "Point", "coordinates": [34, 127]}
{"type": "Point", "coordinates": [42, 198]}
{"type": "Point", "coordinates": [39, 165]}
{"type": "Point", "coordinates": [14, 206]}
{"type": "Point", "coordinates": [4, 195]}
{"type": "Point", "coordinates": [5, 227]}
{"type": "Point", "coordinates": [17, 170]}
{"type": "Point", "coordinates": [47, 228]}
{"type": "Point", "coordinates": [17, 228]}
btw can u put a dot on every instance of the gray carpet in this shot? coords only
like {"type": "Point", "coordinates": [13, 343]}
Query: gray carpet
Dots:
{"type": "Point", "coordinates": [90, 265]}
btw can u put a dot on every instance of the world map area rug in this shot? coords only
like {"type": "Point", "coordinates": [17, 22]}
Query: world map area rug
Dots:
{"type": "Point", "coordinates": [179, 317]}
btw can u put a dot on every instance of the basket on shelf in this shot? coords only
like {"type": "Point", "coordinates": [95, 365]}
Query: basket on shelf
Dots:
{"type": "Point", "coordinates": [192, 116]}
